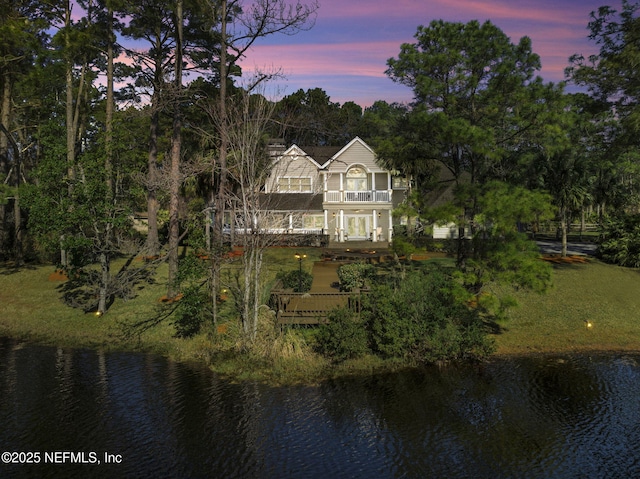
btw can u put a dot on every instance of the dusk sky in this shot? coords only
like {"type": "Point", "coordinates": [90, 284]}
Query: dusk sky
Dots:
{"type": "Point", "coordinates": [345, 53]}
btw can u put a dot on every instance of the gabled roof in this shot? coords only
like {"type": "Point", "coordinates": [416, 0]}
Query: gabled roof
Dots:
{"type": "Point", "coordinates": [322, 154]}
{"type": "Point", "coordinates": [297, 152]}
{"type": "Point", "coordinates": [357, 139]}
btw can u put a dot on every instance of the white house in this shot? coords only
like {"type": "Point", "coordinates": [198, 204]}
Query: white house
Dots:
{"type": "Point", "coordinates": [340, 192]}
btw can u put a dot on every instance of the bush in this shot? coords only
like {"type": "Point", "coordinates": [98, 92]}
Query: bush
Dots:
{"type": "Point", "coordinates": [402, 247]}
{"type": "Point", "coordinates": [425, 318]}
{"type": "Point", "coordinates": [191, 312]}
{"type": "Point", "coordinates": [343, 337]}
{"type": "Point", "coordinates": [299, 281]}
{"type": "Point", "coordinates": [620, 242]}
{"type": "Point", "coordinates": [355, 275]}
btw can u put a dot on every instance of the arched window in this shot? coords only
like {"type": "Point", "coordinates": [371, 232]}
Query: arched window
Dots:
{"type": "Point", "coordinates": [357, 179]}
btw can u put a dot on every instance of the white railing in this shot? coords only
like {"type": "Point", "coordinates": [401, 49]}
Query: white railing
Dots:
{"type": "Point", "coordinates": [376, 196]}
{"type": "Point", "coordinates": [332, 197]}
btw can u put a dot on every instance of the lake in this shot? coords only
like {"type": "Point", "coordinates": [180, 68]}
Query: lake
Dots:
{"type": "Point", "coordinates": [68, 413]}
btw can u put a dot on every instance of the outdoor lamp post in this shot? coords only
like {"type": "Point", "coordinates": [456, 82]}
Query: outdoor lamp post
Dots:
{"type": "Point", "coordinates": [300, 257]}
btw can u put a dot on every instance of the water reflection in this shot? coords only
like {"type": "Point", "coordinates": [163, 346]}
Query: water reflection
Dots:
{"type": "Point", "coordinates": [531, 417]}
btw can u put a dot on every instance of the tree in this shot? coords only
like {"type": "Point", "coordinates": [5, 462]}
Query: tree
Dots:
{"type": "Point", "coordinates": [472, 87]}
{"type": "Point", "coordinates": [311, 118]}
{"type": "Point", "coordinates": [22, 27]}
{"type": "Point", "coordinates": [259, 19]}
{"type": "Point", "coordinates": [247, 119]}
{"type": "Point", "coordinates": [610, 75]}
{"type": "Point", "coordinates": [614, 83]}
{"type": "Point", "coordinates": [564, 156]}
{"type": "Point", "coordinates": [154, 22]}
{"type": "Point", "coordinates": [176, 151]}
{"type": "Point", "coordinates": [475, 98]}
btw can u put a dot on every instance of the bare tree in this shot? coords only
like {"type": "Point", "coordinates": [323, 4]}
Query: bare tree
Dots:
{"type": "Point", "coordinates": [246, 121]}
{"type": "Point", "coordinates": [241, 25]}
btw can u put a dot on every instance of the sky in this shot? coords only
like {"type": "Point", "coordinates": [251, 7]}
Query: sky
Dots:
{"type": "Point", "coordinates": [346, 51]}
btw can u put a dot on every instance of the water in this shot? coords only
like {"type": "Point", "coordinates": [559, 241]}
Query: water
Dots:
{"type": "Point", "coordinates": [573, 417]}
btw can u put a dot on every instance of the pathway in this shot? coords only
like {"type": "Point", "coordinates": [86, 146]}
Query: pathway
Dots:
{"type": "Point", "coordinates": [325, 277]}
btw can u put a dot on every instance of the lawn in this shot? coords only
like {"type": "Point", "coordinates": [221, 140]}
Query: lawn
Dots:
{"type": "Point", "coordinates": [605, 296]}
{"type": "Point", "coordinates": [30, 308]}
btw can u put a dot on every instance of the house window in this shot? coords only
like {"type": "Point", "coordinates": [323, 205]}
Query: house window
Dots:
{"type": "Point", "coordinates": [313, 222]}
{"type": "Point", "coordinates": [399, 183]}
{"type": "Point", "coordinates": [357, 179]}
{"type": "Point", "coordinates": [294, 185]}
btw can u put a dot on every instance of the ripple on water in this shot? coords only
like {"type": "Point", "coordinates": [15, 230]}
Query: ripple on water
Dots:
{"type": "Point", "coordinates": [531, 417]}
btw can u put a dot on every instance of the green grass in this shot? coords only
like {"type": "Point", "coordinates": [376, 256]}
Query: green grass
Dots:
{"type": "Point", "coordinates": [607, 296]}
{"type": "Point", "coordinates": [31, 308]}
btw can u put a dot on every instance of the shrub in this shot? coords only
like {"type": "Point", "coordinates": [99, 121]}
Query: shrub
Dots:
{"type": "Point", "coordinates": [299, 281]}
{"type": "Point", "coordinates": [620, 242]}
{"type": "Point", "coordinates": [343, 337]}
{"type": "Point", "coordinates": [191, 312]}
{"type": "Point", "coordinates": [402, 247]}
{"type": "Point", "coordinates": [425, 318]}
{"type": "Point", "coordinates": [355, 275]}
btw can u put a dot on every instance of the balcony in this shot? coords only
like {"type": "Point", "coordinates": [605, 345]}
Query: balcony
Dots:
{"type": "Point", "coordinates": [371, 196]}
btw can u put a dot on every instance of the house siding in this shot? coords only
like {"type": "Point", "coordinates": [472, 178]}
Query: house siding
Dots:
{"type": "Point", "coordinates": [355, 154]}
{"type": "Point", "coordinates": [345, 215]}
{"type": "Point", "coordinates": [297, 167]}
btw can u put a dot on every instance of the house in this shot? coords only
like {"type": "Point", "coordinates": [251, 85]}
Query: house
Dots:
{"type": "Point", "coordinates": [341, 192]}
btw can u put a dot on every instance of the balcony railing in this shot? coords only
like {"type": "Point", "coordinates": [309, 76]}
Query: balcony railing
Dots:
{"type": "Point", "coordinates": [373, 196]}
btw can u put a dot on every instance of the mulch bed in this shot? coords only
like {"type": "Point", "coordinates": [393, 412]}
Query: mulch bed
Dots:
{"type": "Point", "coordinates": [58, 275]}
{"type": "Point", "coordinates": [558, 259]}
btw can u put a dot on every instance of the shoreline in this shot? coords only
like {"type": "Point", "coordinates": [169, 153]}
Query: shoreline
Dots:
{"type": "Point", "coordinates": [552, 324]}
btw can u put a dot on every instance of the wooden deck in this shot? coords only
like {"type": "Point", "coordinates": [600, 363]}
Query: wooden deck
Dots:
{"type": "Point", "coordinates": [310, 308]}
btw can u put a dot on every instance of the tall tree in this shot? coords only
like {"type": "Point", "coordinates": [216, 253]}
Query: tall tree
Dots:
{"type": "Point", "coordinates": [562, 163]}
{"type": "Point", "coordinates": [475, 94]}
{"type": "Point", "coordinates": [153, 22]}
{"type": "Point", "coordinates": [22, 37]}
{"type": "Point", "coordinates": [250, 23]}
{"type": "Point", "coordinates": [472, 84]}
{"type": "Point", "coordinates": [176, 151]}
{"type": "Point", "coordinates": [613, 81]}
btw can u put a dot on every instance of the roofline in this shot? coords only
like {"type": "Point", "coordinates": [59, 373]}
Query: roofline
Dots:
{"type": "Point", "coordinates": [346, 147]}
{"type": "Point", "coordinates": [303, 154]}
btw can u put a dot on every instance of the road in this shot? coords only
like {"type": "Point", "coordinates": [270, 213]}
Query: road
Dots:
{"type": "Point", "coordinates": [555, 247]}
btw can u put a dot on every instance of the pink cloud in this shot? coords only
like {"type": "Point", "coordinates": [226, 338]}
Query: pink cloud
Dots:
{"type": "Point", "coordinates": [353, 40]}
{"type": "Point", "coordinates": [356, 58]}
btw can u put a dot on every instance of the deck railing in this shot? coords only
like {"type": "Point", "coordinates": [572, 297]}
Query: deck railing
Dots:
{"type": "Point", "coordinates": [370, 196]}
{"type": "Point", "coordinates": [310, 308]}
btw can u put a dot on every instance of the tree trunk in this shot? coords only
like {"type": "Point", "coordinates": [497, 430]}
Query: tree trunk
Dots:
{"type": "Point", "coordinates": [153, 205]}
{"type": "Point", "coordinates": [153, 240]}
{"type": "Point", "coordinates": [4, 152]}
{"type": "Point", "coordinates": [107, 240]}
{"type": "Point", "coordinates": [563, 229]}
{"type": "Point", "coordinates": [218, 226]}
{"type": "Point", "coordinates": [18, 237]}
{"type": "Point", "coordinates": [72, 117]}
{"type": "Point", "coordinates": [176, 147]}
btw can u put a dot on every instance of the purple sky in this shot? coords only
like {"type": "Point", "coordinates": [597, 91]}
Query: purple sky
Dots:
{"type": "Point", "coordinates": [345, 53]}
